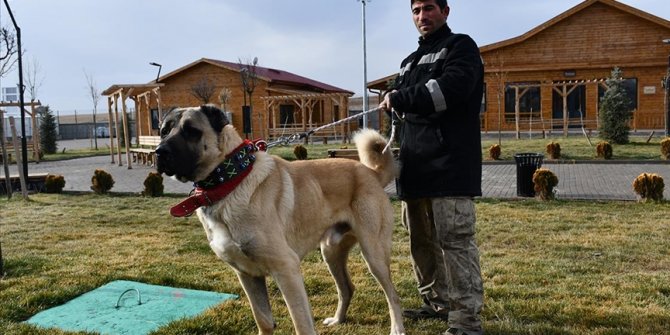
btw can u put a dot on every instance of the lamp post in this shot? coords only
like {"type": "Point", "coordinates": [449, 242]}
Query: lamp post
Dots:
{"type": "Point", "coordinates": [159, 70]}
{"type": "Point", "coordinates": [666, 85]}
{"type": "Point", "coordinates": [22, 88]}
{"type": "Point", "coordinates": [365, 70]}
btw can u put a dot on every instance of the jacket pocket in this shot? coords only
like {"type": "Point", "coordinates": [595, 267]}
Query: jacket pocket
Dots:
{"type": "Point", "coordinates": [422, 141]}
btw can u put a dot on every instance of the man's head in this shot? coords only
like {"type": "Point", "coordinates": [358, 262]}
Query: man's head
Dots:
{"type": "Point", "coordinates": [429, 15]}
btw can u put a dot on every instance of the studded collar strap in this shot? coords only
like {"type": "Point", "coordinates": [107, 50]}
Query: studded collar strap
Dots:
{"type": "Point", "coordinates": [220, 182]}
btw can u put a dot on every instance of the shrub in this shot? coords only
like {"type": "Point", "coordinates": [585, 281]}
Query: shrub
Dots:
{"type": "Point", "coordinates": [300, 152]}
{"type": "Point", "coordinates": [101, 182]}
{"type": "Point", "coordinates": [544, 182]}
{"type": "Point", "coordinates": [153, 185]}
{"type": "Point", "coordinates": [665, 148]}
{"type": "Point", "coordinates": [554, 150]}
{"type": "Point", "coordinates": [54, 183]}
{"type": "Point", "coordinates": [649, 186]}
{"type": "Point", "coordinates": [494, 152]}
{"type": "Point", "coordinates": [604, 150]}
{"type": "Point", "coordinates": [615, 110]}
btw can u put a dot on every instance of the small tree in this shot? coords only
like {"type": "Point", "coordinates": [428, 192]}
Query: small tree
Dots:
{"type": "Point", "coordinates": [249, 78]}
{"type": "Point", "coordinates": [33, 78]}
{"type": "Point", "coordinates": [615, 110]}
{"type": "Point", "coordinates": [224, 97]}
{"type": "Point", "coordinates": [203, 90]}
{"type": "Point", "coordinates": [48, 131]}
{"type": "Point", "coordinates": [94, 94]}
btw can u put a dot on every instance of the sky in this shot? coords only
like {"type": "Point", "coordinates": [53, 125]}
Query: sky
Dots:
{"type": "Point", "coordinates": [114, 41]}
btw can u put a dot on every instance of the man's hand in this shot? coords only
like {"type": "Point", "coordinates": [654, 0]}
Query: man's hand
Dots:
{"type": "Point", "coordinates": [385, 105]}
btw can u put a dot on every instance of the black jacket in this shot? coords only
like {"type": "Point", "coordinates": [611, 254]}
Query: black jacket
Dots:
{"type": "Point", "coordinates": [439, 89]}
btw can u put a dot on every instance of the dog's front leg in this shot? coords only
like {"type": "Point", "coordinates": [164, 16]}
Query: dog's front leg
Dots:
{"type": "Point", "coordinates": [291, 284]}
{"type": "Point", "coordinates": [257, 293]}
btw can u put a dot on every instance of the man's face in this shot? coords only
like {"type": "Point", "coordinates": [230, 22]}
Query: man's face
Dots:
{"type": "Point", "coordinates": [428, 17]}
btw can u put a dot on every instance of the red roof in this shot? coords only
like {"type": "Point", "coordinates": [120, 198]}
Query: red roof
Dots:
{"type": "Point", "coordinates": [268, 74]}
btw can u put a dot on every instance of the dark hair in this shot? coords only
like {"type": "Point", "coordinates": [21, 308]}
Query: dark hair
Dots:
{"type": "Point", "coordinates": [440, 3]}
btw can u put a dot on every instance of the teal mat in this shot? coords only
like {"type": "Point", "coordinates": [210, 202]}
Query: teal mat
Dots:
{"type": "Point", "coordinates": [116, 308]}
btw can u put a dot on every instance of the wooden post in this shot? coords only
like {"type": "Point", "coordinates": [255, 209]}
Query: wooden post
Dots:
{"type": "Point", "coordinates": [36, 133]}
{"type": "Point", "coordinates": [109, 122]}
{"type": "Point", "coordinates": [138, 119]}
{"type": "Point", "coordinates": [19, 159]}
{"type": "Point", "coordinates": [126, 135]}
{"type": "Point", "coordinates": [565, 111]}
{"type": "Point", "coordinates": [5, 158]}
{"type": "Point", "coordinates": [517, 108]}
{"type": "Point", "coordinates": [116, 126]}
{"type": "Point", "coordinates": [147, 101]}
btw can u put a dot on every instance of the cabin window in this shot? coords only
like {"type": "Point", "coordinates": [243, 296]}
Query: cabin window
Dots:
{"type": "Point", "coordinates": [529, 102]}
{"type": "Point", "coordinates": [629, 85]}
{"type": "Point", "coordinates": [286, 114]}
{"type": "Point", "coordinates": [155, 121]}
{"type": "Point", "coordinates": [576, 102]}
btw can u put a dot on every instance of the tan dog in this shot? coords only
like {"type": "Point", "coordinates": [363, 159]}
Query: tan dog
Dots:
{"type": "Point", "coordinates": [279, 211]}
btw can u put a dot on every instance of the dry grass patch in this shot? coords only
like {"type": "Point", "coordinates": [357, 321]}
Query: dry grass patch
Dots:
{"type": "Point", "coordinates": [548, 268]}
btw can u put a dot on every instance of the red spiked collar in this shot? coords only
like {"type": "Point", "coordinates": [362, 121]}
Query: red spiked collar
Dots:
{"type": "Point", "coordinates": [220, 182]}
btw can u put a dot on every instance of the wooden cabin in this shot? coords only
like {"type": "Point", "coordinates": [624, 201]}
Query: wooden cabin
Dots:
{"type": "Point", "coordinates": [552, 77]}
{"type": "Point", "coordinates": [280, 105]}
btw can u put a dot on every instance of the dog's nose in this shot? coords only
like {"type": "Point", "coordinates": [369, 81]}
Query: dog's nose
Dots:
{"type": "Point", "coordinates": [162, 152]}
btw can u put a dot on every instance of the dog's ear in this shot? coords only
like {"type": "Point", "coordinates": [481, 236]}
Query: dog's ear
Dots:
{"type": "Point", "coordinates": [217, 119]}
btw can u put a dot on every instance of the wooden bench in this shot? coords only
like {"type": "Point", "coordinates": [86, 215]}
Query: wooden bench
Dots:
{"type": "Point", "coordinates": [145, 153]}
{"type": "Point", "coordinates": [352, 153]}
{"type": "Point", "coordinates": [34, 183]}
{"type": "Point", "coordinates": [30, 147]}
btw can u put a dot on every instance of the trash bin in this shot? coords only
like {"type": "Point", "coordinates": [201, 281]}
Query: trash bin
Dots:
{"type": "Point", "coordinates": [526, 164]}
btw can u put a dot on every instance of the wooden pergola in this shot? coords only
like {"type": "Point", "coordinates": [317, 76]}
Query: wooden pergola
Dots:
{"type": "Point", "coordinates": [563, 88]}
{"type": "Point", "coordinates": [117, 95]}
{"type": "Point", "coordinates": [33, 120]}
{"type": "Point", "coordinates": [306, 102]}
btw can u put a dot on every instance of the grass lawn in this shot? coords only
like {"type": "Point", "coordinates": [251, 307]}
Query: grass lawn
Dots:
{"type": "Point", "coordinates": [572, 148]}
{"type": "Point", "coordinates": [561, 267]}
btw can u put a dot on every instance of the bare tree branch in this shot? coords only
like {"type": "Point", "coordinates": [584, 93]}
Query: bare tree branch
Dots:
{"type": "Point", "coordinates": [203, 90]}
{"type": "Point", "coordinates": [33, 78]}
{"type": "Point", "coordinates": [94, 94]}
{"type": "Point", "coordinates": [8, 51]}
{"type": "Point", "coordinates": [224, 96]}
{"type": "Point", "coordinates": [249, 76]}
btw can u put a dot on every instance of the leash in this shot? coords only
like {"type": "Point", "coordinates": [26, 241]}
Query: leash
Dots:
{"type": "Point", "coordinates": [395, 121]}
{"type": "Point", "coordinates": [296, 137]}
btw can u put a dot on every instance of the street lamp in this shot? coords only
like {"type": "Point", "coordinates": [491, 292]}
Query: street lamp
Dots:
{"type": "Point", "coordinates": [159, 70]}
{"type": "Point", "coordinates": [666, 85]}
{"type": "Point", "coordinates": [365, 70]}
{"type": "Point", "coordinates": [22, 88]}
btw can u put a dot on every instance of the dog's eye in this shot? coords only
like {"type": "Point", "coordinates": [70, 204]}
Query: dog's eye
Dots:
{"type": "Point", "coordinates": [191, 132]}
{"type": "Point", "coordinates": [166, 129]}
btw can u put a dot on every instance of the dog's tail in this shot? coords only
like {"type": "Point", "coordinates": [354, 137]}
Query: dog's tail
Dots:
{"type": "Point", "coordinates": [370, 145]}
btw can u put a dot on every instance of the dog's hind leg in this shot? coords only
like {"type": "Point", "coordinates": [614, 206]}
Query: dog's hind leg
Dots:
{"type": "Point", "coordinates": [336, 255]}
{"type": "Point", "coordinates": [257, 293]}
{"type": "Point", "coordinates": [375, 238]}
{"type": "Point", "coordinates": [378, 262]}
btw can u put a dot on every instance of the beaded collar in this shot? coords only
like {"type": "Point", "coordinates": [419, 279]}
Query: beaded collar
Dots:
{"type": "Point", "coordinates": [220, 182]}
{"type": "Point", "coordinates": [236, 162]}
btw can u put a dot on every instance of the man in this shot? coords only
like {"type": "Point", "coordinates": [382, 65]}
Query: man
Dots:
{"type": "Point", "coordinates": [438, 94]}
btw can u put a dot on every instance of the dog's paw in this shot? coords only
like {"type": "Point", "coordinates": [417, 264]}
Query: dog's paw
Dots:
{"type": "Point", "coordinates": [331, 321]}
